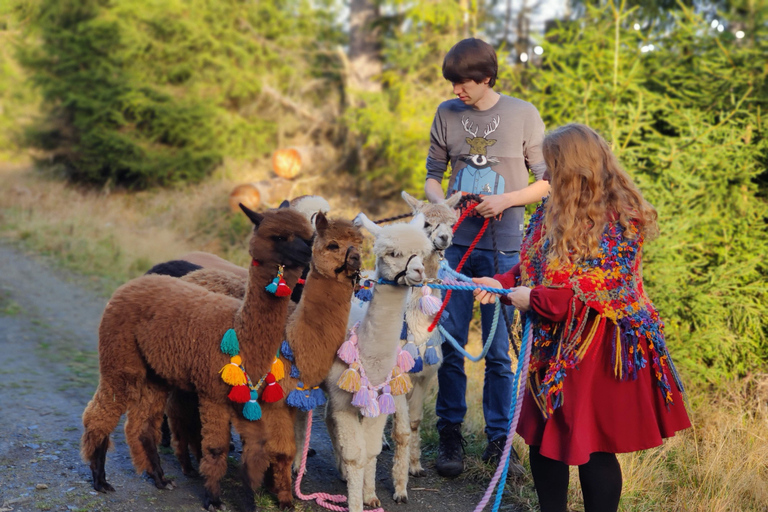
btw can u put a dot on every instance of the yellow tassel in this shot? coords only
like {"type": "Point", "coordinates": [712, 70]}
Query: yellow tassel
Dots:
{"type": "Point", "coordinates": [232, 374]}
{"type": "Point", "coordinates": [350, 380]}
{"type": "Point", "coordinates": [278, 369]}
{"type": "Point", "coordinates": [401, 384]}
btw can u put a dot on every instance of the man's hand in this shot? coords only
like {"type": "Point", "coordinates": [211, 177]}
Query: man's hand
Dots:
{"type": "Point", "coordinates": [491, 206]}
{"type": "Point", "coordinates": [520, 297]}
{"type": "Point", "coordinates": [483, 296]}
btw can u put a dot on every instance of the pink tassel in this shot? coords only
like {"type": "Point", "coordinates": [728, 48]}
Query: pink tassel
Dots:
{"type": "Point", "coordinates": [371, 409]}
{"type": "Point", "coordinates": [404, 360]}
{"type": "Point", "coordinates": [386, 402]}
{"type": "Point", "coordinates": [361, 398]}
{"type": "Point", "coordinates": [348, 351]}
{"type": "Point", "coordinates": [428, 303]}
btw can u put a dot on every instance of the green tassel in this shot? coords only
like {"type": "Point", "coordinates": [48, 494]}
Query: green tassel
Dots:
{"type": "Point", "coordinates": [229, 343]}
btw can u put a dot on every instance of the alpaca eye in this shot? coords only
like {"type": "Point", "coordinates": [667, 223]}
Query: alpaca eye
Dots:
{"type": "Point", "coordinates": [427, 225]}
{"type": "Point", "coordinates": [333, 246]}
{"type": "Point", "coordinates": [277, 238]}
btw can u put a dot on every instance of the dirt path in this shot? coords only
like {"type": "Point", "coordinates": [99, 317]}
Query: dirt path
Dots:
{"type": "Point", "coordinates": [48, 372]}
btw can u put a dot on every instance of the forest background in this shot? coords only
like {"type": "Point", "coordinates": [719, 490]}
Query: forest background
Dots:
{"type": "Point", "coordinates": [124, 126]}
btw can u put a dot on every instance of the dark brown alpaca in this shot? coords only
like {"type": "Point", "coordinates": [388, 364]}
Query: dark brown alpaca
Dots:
{"type": "Point", "coordinates": [159, 332]}
{"type": "Point", "coordinates": [315, 331]}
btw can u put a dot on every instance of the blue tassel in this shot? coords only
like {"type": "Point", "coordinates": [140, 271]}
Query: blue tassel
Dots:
{"type": "Point", "coordinates": [295, 372]}
{"type": "Point", "coordinates": [365, 293]}
{"type": "Point", "coordinates": [229, 343]}
{"type": "Point", "coordinates": [418, 365]}
{"type": "Point", "coordinates": [252, 409]}
{"type": "Point", "coordinates": [298, 399]}
{"type": "Point", "coordinates": [411, 349]}
{"type": "Point", "coordinates": [272, 287]}
{"type": "Point", "coordinates": [404, 332]}
{"type": "Point", "coordinates": [285, 350]}
{"type": "Point", "coordinates": [430, 356]}
{"type": "Point", "coordinates": [318, 397]}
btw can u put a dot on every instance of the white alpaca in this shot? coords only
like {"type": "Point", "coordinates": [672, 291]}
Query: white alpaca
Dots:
{"type": "Point", "coordinates": [400, 250]}
{"type": "Point", "coordinates": [439, 219]}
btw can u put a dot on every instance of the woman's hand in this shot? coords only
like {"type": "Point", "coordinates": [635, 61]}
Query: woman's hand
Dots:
{"type": "Point", "coordinates": [483, 296]}
{"type": "Point", "coordinates": [520, 297]}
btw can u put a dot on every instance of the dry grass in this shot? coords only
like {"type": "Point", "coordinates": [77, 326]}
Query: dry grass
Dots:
{"type": "Point", "coordinates": [719, 465]}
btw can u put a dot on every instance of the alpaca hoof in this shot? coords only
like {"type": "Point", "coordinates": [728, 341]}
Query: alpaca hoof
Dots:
{"type": "Point", "coordinates": [285, 505]}
{"type": "Point", "coordinates": [190, 472]}
{"type": "Point", "coordinates": [400, 499]}
{"type": "Point", "coordinates": [103, 487]}
{"type": "Point", "coordinates": [373, 502]}
{"type": "Point", "coordinates": [210, 503]}
{"type": "Point", "coordinates": [311, 452]}
{"type": "Point", "coordinates": [417, 472]}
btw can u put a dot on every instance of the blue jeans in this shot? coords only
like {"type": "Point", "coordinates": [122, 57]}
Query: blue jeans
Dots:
{"type": "Point", "coordinates": [451, 406]}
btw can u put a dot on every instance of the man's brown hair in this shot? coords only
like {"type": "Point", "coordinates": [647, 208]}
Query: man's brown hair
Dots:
{"type": "Point", "coordinates": [471, 59]}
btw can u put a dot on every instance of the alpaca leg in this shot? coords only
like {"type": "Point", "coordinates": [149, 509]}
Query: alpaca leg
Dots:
{"type": "Point", "coordinates": [100, 418]}
{"type": "Point", "coordinates": [215, 447]}
{"type": "Point", "coordinates": [349, 439]}
{"type": "Point", "coordinates": [401, 433]}
{"type": "Point", "coordinates": [183, 414]}
{"type": "Point", "coordinates": [281, 450]}
{"type": "Point", "coordinates": [254, 458]}
{"type": "Point", "coordinates": [415, 415]}
{"type": "Point", "coordinates": [333, 432]}
{"type": "Point", "coordinates": [373, 429]}
{"type": "Point", "coordinates": [142, 433]}
{"type": "Point", "coordinates": [299, 432]}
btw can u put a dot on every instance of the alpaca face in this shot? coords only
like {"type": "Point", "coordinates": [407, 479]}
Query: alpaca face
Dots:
{"type": "Point", "coordinates": [400, 252]}
{"type": "Point", "coordinates": [336, 251]}
{"type": "Point", "coordinates": [281, 236]}
{"type": "Point", "coordinates": [439, 219]}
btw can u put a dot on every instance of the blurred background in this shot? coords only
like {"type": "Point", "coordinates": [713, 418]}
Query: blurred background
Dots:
{"type": "Point", "coordinates": [128, 127]}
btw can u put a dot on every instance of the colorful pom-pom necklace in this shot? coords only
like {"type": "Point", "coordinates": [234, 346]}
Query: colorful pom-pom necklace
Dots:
{"type": "Point", "coordinates": [303, 397]}
{"type": "Point", "coordinates": [243, 390]}
{"type": "Point", "coordinates": [372, 400]}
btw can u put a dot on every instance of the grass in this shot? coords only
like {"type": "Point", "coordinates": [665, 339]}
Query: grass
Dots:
{"type": "Point", "coordinates": [721, 464]}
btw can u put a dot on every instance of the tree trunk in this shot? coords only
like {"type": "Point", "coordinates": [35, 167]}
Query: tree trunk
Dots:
{"type": "Point", "coordinates": [364, 46]}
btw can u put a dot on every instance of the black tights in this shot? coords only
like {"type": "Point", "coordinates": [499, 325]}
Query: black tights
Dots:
{"type": "Point", "coordinates": [600, 482]}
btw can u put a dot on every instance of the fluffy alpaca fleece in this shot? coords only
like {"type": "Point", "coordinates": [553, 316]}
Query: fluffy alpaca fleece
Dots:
{"type": "Point", "coordinates": [158, 331]}
{"type": "Point", "coordinates": [440, 218]}
{"type": "Point", "coordinates": [315, 331]}
{"type": "Point", "coordinates": [356, 439]}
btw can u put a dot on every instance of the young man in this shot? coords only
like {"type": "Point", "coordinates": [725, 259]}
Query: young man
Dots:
{"type": "Point", "coordinates": [492, 141]}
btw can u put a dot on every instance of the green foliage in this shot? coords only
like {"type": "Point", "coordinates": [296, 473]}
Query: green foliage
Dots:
{"type": "Point", "coordinates": [145, 93]}
{"type": "Point", "coordinates": [685, 120]}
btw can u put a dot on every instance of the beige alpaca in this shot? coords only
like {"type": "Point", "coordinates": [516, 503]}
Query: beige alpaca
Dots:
{"type": "Point", "coordinates": [439, 221]}
{"type": "Point", "coordinates": [400, 250]}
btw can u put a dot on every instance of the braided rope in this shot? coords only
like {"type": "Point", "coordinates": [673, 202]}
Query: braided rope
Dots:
{"type": "Point", "coordinates": [396, 217]}
{"type": "Point", "coordinates": [518, 395]}
{"type": "Point", "coordinates": [486, 345]}
{"type": "Point", "coordinates": [323, 499]}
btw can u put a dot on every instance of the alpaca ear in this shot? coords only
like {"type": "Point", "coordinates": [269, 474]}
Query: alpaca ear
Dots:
{"type": "Point", "coordinates": [414, 203]}
{"type": "Point", "coordinates": [418, 220]}
{"type": "Point", "coordinates": [285, 204]}
{"type": "Point", "coordinates": [362, 221]}
{"type": "Point", "coordinates": [256, 218]}
{"type": "Point", "coordinates": [452, 201]}
{"type": "Point", "coordinates": [320, 221]}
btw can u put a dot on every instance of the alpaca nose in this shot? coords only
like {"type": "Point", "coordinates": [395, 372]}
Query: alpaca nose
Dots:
{"type": "Point", "coordinates": [353, 259]}
{"type": "Point", "coordinates": [443, 241]}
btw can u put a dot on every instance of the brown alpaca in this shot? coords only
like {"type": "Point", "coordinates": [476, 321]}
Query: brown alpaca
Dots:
{"type": "Point", "coordinates": [159, 332]}
{"type": "Point", "coordinates": [315, 331]}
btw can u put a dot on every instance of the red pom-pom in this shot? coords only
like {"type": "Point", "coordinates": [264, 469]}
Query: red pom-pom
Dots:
{"type": "Point", "coordinates": [282, 289]}
{"type": "Point", "coordinates": [240, 394]}
{"type": "Point", "coordinates": [270, 378]}
{"type": "Point", "coordinates": [273, 392]}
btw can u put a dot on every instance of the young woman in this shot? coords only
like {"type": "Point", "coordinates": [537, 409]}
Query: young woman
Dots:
{"type": "Point", "coordinates": [601, 379]}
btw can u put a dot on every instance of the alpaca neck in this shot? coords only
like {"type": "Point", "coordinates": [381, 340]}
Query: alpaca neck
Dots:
{"type": "Point", "coordinates": [432, 264]}
{"type": "Point", "coordinates": [317, 327]}
{"type": "Point", "coordinates": [379, 331]}
{"type": "Point", "coordinates": [260, 321]}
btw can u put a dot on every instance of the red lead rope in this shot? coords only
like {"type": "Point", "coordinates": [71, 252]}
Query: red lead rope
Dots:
{"type": "Point", "coordinates": [463, 260]}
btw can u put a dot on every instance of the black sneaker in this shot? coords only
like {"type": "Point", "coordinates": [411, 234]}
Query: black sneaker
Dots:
{"type": "Point", "coordinates": [450, 451]}
{"type": "Point", "coordinates": [493, 452]}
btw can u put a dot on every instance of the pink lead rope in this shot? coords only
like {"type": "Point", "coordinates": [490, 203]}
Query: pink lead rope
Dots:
{"type": "Point", "coordinates": [321, 498]}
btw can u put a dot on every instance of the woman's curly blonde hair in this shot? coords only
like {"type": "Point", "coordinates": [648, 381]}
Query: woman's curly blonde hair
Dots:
{"type": "Point", "coordinates": [588, 189]}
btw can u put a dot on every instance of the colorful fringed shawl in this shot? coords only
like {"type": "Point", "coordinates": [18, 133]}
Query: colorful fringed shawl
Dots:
{"type": "Point", "coordinates": [611, 285]}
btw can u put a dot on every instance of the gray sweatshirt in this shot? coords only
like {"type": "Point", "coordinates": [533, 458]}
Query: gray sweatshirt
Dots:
{"type": "Point", "coordinates": [491, 152]}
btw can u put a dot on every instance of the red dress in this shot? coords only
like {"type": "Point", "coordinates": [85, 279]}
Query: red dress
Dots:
{"type": "Point", "coordinates": [599, 413]}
